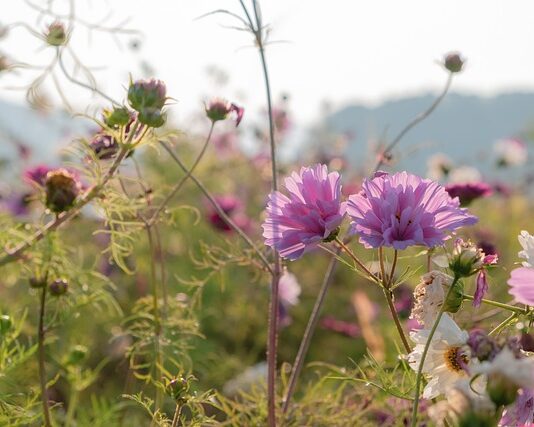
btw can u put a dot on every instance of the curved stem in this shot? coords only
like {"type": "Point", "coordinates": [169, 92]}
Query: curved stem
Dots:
{"type": "Point", "coordinates": [414, 122]}
{"type": "Point", "coordinates": [503, 324]}
{"type": "Point", "coordinates": [308, 333]}
{"type": "Point", "coordinates": [508, 307]}
{"type": "Point", "coordinates": [177, 413]}
{"type": "Point", "coordinates": [386, 285]}
{"type": "Point", "coordinates": [218, 208]}
{"type": "Point", "coordinates": [355, 259]}
{"type": "Point", "coordinates": [425, 351]}
{"type": "Point", "coordinates": [179, 185]}
{"type": "Point", "coordinates": [42, 369]}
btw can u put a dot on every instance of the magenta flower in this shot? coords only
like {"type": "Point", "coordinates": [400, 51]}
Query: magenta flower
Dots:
{"type": "Point", "coordinates": [403, 210]}
{"type": "Point", "coordinates": [218, 109]}
{"type": "Point", "coordinates": [522, 285]}
{"type": "Point", "coordinates": [310, 215]}
{"type": "Point", "coordinates": [469, 191]}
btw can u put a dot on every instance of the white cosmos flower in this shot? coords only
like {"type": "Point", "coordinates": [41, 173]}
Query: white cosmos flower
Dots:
{"type": "Point", "coordinates": [527, 242]}
{"type": "Point", "coordinates": [444, 358]}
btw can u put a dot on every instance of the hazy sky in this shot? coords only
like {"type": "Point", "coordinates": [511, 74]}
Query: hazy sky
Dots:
{"type": "Point", "coordinates": [336, 50]}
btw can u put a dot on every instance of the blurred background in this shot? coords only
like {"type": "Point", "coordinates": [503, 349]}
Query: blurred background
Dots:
{"type": "Point", "coordinates": [346, 76]}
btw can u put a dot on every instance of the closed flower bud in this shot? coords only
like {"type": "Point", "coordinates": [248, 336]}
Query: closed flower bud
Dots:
{"type": "Point", "coordinates": [219, 109]}
{"type": "Point", "coordinates": [104, 146]}
{"type": "Point", "coordinates": [482, 346]}
{"type": "Point", "coordinates": [501, 390]}
{"type": "Point", "coordinates": [152, 117]}
{"type": "Point", "coordinates": [144, 94]}
{"type": "Point", "coordinates": [62, 189]}
{"type": "Point", "coordinates": [466, 259]}
{"type": "Point", "coordinates": [77, 354]}
{"type": "Point", "coordinates": [119, 116]}
{"type": "Point", "coordinates": [37, 282]}
{"type": "Point", "coordinates": [454, 62]}
{"type": "Point", "coordinates": [177, 388]}
{"type": "Point", "coordinates": [58, 287]}
{"type": "Point", "coordinates": [56, 34]}
{"type": "Point", "coordinates": [5, 324]}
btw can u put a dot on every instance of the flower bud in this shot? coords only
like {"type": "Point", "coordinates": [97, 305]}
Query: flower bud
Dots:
{"type": "Point", "coordinates": [56, 34]}
{"type": "Point", "coordinates": [466, 259]}
{"type": "Point", "coordinates": [37, 282]}
{"type": "Point", "coordinates": [62, 189]}
{"type": "Point", "coordinates": [482, 346]}
{"type": "Point", "coordinates": [5, 324]}
{"type": "Point", "coordinates": [177, 387]}
{"type": "Point", "coordinates": [152, 117]}
{"type": "Point", "coordinates": [104, 146]}
{"type": "Point", "coordinates": [501, 390]}
{"type": "Point", "coordinates": [58, 287]}
{"type": "Point", "coordinates": [77, 354]}
{"type": "Point", "coordinates": [219, 109]}
{"type": "Point", "coordinates": [147, 94]}
{"type": "Point", "coordinates": [454, 62]}
{"type": "Point", "coordinates": [119, 116]}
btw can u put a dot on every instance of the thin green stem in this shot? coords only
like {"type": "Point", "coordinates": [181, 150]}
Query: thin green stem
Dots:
{"type": "Point", "coordinates": [414, 122]}
{"type": "Point", "coordinates": [386, 285]}
{"type": "Point", "coordinates": [179, 185]}
{"type": "Point", "coordinates": [503, 324]}
{"type": "Point", "coordinates": [41, 353]}
{"type": "Point", "coordinates": [157, 319]}
{"type": "Point", "coordinates": [508, 307]}
{"type": "Point", "coordinates": [308, 333]}
{"type": "Point", "coordinates": [360, 264]}
{"type": "Point", "coordinates": [425, 352]}
{"type": "Point", "coordinates": [177, 413]}
{"type": "Point", "coordinates": [73, 404]}
{"type": "Point", "coordinates": [219, 210]}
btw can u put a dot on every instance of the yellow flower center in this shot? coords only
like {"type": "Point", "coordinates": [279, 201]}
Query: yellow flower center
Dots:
{"type": "Point", "coordinates": [453, 357]}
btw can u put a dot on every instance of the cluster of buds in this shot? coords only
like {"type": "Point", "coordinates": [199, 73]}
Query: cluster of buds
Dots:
{"type": "Point", "coordinates": [62, 189]}
{"type": "Point", "coordinates": [148, 98]}
{"type": "Point", "coordinates": [219, 109]}
{"type": "Point", "coordinates": [56, 35]}
{"type": "Point", "coordinates": [454, 62]}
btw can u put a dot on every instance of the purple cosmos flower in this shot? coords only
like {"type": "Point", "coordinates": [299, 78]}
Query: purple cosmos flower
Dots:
{"type": "Point", "coordinates": [521, 412]}
{"type": "Point", "coordinates": [37, 174]}
{"type": "Point", "coordinates": [16, 204]}
{"type": "Point", "coordinates": [522, 285]}
{"type": "Point", "coordinates": [403, 210]}
{"type": "Point", "coordinates": [310, 215]}
{"type": "Point", "coordinates": [468, 191]}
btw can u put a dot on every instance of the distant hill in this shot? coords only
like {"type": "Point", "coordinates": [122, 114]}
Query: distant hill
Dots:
{"type": "Point", "coordinates": [463, 127]}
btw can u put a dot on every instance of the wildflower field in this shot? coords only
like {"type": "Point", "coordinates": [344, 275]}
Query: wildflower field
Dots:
{"type": "Point", "coordinates": [156, 274]}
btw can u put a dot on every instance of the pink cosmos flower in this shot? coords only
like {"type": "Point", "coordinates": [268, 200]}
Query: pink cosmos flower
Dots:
{"type": "Point", "coordinates": [311, 214]}
{"type": "Point", "coordinates": [469, 191]}
{"type": "Point", "coordinates": [521, 412]}
{"type": "Point", "coordinates": [522, 285]}
{"type": "Point", "coordinates": [37, 174]}
{"type": "Point", "coordinates": [403, 210]}
{"type": "Point", "coordinates": [231, 206]}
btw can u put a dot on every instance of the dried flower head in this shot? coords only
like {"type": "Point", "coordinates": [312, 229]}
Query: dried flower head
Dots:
{"type": "Point", "coordinates": [454, 62]}
{"type": "Point", "coordinates": [62, 188]}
